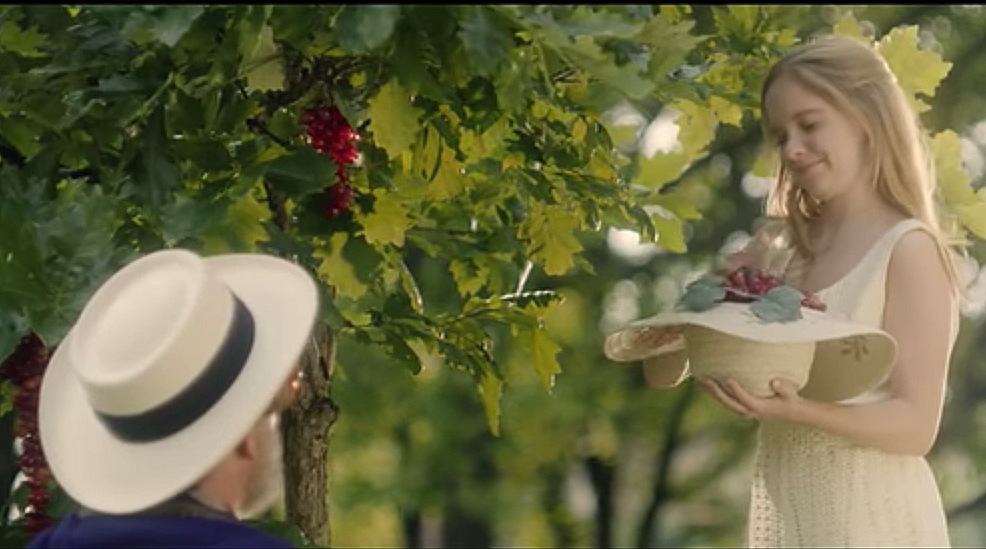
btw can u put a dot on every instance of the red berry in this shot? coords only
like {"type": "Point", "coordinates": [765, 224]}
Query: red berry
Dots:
{"type": "Point", "coordinates": [38, 499]}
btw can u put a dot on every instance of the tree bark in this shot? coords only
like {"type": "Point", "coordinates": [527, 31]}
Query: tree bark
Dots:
{"type": "Point", "coordinates": [305, 431]}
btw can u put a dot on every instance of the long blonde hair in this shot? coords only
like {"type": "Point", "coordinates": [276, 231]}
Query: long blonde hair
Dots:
{"type": "Point", "coordinates": [855, 78]}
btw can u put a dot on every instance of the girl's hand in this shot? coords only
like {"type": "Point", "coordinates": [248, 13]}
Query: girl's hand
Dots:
{"type": "Point", "coordinates": [783, 404]}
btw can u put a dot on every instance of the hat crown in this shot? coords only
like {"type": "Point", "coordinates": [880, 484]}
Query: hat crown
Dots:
{"type": "Point", "coordinates": [149, 331]}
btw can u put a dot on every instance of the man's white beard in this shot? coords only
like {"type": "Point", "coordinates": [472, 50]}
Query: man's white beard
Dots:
{"type": "Point", "coordinates": [267, 485]}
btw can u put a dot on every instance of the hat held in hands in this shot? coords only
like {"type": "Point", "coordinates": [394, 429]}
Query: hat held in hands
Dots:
{"type": "Point", "coordinates": [755, 328]}
{"type": "Point", "coordinates": [169, 365]}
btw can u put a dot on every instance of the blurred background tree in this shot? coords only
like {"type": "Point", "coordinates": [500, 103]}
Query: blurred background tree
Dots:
{"type": "Point", "coordinates": [527, 179]}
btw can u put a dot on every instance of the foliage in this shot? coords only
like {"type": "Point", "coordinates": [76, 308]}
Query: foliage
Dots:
{"type": "Point", "coordinates": [490, 158]}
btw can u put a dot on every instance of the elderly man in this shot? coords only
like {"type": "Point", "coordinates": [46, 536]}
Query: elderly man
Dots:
{"type": "Point", "coordinates": [159, 411]}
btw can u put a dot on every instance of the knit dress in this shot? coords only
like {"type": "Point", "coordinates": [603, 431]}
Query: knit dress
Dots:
{"type": "Point", "coordinates": [814, 489]}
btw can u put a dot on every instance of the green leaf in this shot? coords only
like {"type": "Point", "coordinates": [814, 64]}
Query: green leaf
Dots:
{"type": "Point", "coordinates": [21, 42]}
{"type": "Point", "coordinates": [394, 121]}
{"type": "Point", "coordinates": [628, 79]}
{"type": "Point", "coordinates": [466, 276]}
{"type": "Point", "coordinates": [725, 111]}
{"type": "Point", "coordinates": [549, 230]}
{"type": "Point", "coordinates": [7, 389]}
{"type": "Point", "coordinates": [973, 216]}
{"type": "Point", "coordinates": [782, 304]}
{"type": "Point", "coordinates": [188, 217]}
{"type": "Point", "coordinates": [209, 155]}
{"type": "Point", "coordinates": [702, 294]}
{"type": "Point", "coordinates": [337, 270]}
{"type": "Point", "coordinates": [671, 42]}
{"type": "Point", "coordinates": [953, 179]}
{"type": "Point", "coordinates": [670, 234]}
{"type": "Point", "coordinates": [545, 357]}
{"type": "Point", "coordinates": [21, 133]}
{"type": "Point", "coordinates": [510, 83]}
{"type": "Point", "coordinates": [661, 168]}
{"type": "Point", "coordinates": [491, 389]}
{"type": "Point", "coordinates": [361, 28]}
{"type": "Point", "coordinates": [300, 172]}
{"type": "Point", "coordinates": [918, 71]}
{"type": "Point", "coordinates": [388, 221]}
{"type": "Point", "coordinates": [449, 180]}
{"type": "Point", "coordinates": [241, 230]}
{"type": "Point", "coordinates": [954, 183]}
{"type": "Point", "coordinates": [698, 127]}
{"type": "Point", "coordinates": [410, 286]}
{"type": "Point", "coordinates": [848, 25]}
{"type": "Point", "coordinates": [156, 174]}
{"type": "Point", "coordinates": [173, 22]}
{"type": "Point", "coordinates": [262, 62]}
{"type": "Point", "coordinates": [485, 39]}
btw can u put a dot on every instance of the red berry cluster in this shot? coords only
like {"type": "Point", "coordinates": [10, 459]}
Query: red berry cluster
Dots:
{"type": "Point", "coordinates": [24, 368]}
{"type": "Point", "coordinates": [330, 133]}
{"type": "Point", "coordinates": [743, 285]}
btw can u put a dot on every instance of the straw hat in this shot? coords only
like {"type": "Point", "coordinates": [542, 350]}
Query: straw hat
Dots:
{"type": "Point", "coordinates": [170, 364]}
{"type": "Point", "coordinates": [829, 358]}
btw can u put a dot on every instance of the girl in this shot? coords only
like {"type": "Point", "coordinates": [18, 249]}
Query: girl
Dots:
{"type": "Point", "coordinates": [854, 200]}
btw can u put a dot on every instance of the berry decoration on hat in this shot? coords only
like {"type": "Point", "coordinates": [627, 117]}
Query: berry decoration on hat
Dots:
{"type": "Point", "coordinates": [330, 134]}
{"type": "Point", "coordinates": [25, 368]}
{"type": "Point", "coordinates": [771, 299]}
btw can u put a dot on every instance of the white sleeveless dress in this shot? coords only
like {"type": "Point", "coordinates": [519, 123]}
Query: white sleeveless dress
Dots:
{"type": "Point", "coordinates": [814, 489]}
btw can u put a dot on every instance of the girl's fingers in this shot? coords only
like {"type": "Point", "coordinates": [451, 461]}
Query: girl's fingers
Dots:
{"type": "Point", "coordinates": [741, 395]}
{"type": "Point", "coordinates": [785, 388]}
{"type": "Point", "coordinates": [725, 398]}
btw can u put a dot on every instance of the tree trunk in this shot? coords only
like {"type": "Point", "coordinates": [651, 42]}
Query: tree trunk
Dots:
{"type": "Point", "coordinates": [461, 528]}
{"type": "Point", "coordinates": [602, 474]}
{"type": "Point", "coordinates": [650, 526]}
{"type": "Point", "coordinates": [305, 431]}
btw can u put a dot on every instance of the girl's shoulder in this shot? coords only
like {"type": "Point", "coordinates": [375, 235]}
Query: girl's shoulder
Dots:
{"type": "Point", "coordinates": [915, 247]}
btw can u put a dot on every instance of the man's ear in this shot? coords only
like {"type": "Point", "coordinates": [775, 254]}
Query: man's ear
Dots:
{"type": "Point", "coordinates": [248, 447]}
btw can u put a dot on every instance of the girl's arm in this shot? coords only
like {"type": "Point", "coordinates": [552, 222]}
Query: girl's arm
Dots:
{"type": "Point", "coordinates": [919, 313]}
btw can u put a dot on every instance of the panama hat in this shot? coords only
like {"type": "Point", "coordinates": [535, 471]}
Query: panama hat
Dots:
{"type": "Point", "coordinates": [828, 357]}
{"type": "Point", "coordinates": [171, 362]}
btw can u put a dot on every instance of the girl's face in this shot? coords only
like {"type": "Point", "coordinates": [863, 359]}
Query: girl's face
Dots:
{"type": "Point", "coordinates": [822, 147]}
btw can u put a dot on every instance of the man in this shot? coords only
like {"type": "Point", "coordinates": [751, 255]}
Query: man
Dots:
{"type": "Point", "coordinates": [159, 410]}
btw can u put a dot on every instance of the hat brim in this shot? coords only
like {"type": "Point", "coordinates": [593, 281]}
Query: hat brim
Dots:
{"type": "Point", "coordinates": [113, 476]}
{"type": "Point", "coordinates": [850, 358]}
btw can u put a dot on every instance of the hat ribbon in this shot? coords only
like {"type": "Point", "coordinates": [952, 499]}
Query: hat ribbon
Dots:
{"type": "Point", "coordinates": [199, 396]}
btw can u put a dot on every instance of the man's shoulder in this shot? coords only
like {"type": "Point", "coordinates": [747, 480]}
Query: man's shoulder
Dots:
{"type": "Point", "coordinates": [145, 531]}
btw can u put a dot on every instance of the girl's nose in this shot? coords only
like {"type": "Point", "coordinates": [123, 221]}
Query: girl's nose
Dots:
{"type": "Point", "coordinates": [794, 150]}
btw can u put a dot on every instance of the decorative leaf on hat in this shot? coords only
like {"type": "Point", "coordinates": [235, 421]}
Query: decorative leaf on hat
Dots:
{"type": "Point", "coordinates": [702, 294]}
{"type": "Point", "coordinates": [781, 304]}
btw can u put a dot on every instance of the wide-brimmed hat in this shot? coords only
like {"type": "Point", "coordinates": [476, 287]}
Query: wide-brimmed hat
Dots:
{"type": "Point", "coordinates": [849, 358]}
{"type": "Point", "coordinates": [171, 362]}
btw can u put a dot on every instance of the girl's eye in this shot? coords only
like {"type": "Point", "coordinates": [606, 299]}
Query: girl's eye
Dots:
{"type": "Point", "coordinates": [809, 126]}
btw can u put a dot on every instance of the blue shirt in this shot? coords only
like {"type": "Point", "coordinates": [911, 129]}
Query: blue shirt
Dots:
{"type": "Point", "coordinates": [152, 531]}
